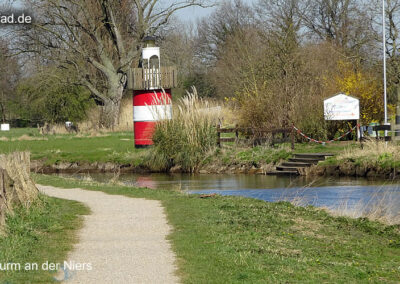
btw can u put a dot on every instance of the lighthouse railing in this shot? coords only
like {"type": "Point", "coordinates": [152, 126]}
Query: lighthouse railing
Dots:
{"type": "Point", "coordinates": [152, 78]}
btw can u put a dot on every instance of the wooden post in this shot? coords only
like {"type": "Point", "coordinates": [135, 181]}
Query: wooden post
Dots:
{"type": "Point", "coordinates": [219, 135]}
{"type": "Point", "coordinates": [237, 133]}
{"type": "Point", "coordinates": [273, 139]}
{"type": "Point", "coordinates": [6, 188]}
{"type": "Point", "coordinates": [292, 138]}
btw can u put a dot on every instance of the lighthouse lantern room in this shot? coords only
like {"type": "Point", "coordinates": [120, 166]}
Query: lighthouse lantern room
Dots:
{"type": "Point", "coordinates": [151, 84]}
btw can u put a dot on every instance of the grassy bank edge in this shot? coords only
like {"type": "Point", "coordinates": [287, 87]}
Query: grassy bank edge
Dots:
{"type": "Point", "coordinates": [46, 232]}
{"type": "Point", "coordinates": [236, 240]}
{"type": "Point", "coordinates": [81, 151]}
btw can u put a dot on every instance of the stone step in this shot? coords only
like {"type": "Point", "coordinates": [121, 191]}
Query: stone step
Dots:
{"type": "Point", "coordinates": [309, 156]}
{"type": "Point", "coordinates": [296, 164]}
{"type": "Point", "coordinates": [287, 169]}
{"type": "Point", "coordinates": [282, 173]}
{"type": "Point", "coordinates": [304, 160]}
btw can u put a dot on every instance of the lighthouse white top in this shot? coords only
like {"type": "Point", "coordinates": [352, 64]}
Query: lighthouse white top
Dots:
{"type": "Point", "coordinates": [148, 52]}
{"type": "Point", "coordinates": [342, 107]}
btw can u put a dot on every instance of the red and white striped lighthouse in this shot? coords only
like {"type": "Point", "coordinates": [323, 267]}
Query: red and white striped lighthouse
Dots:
{"type": "Point", "coordinates": [151, 102]}
{"type": "Point", "coordinates": [149, 106]}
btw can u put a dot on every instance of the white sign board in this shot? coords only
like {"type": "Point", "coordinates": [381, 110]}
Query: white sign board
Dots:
{"type": "Point", "coordinates": [342, 107]}
{"type": "Point", "coordinates": [5, 127]}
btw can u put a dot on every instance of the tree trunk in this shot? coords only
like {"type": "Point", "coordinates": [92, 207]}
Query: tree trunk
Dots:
{"type": "Point", "coordinates": [112, 105]}
{"type": "Point", "coordinates": [16, 186]}
{"type": "Point", "coordinates": [2, 108]}
{"type": "Point", "coordinates": [110, 113]}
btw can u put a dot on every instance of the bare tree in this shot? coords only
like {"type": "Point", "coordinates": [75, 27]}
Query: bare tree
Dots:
{"type": "Point", "coordinates": [213, 31]}
{"type": "Point", "coordinates": [9, 74]}
{"type": "Point", "coordinates": [393, 47]}
{"type": "Point", "coordinates": [281, 17]}
{"type": "Point", "coordinates": [281, 22]}
{"type": "Point", "coordinates": [97, 39]}
{"type": "Point", "coordinates": [345, 23]}
{"type": "Point", "coordinates": [178, 46]}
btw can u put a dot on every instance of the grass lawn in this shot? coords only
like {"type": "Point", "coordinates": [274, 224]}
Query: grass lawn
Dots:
{"type": "Point", "coordinates": [45, 232]}
{"type": "Point", "coordinates": [238, 240]}
{"type": "Point", "coordinates": [108, 147]}
{"type": "Point", "coordinates": [18, 132]}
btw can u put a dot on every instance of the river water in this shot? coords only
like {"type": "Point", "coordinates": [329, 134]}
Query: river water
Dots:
{"type": "Point", "coordinates": [321, 192]}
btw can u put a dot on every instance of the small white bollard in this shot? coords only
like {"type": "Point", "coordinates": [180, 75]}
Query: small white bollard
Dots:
{"type": "Point", "coordinates": [5, 127]}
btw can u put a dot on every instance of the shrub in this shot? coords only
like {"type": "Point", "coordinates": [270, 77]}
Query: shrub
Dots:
{"type": "Point", "coordinates": [45, 97]}
{"type": "Point", "coordinates": [185, 139]}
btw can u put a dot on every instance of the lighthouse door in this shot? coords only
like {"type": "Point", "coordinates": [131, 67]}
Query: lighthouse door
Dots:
{"type": "Point", "coordinates": [153, 76]}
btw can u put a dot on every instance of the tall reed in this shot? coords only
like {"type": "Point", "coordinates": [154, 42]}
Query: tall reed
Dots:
{"type": "Point", "coordinates": [185, 139]}
{"type": "Point", "coordinates": [382, 206]}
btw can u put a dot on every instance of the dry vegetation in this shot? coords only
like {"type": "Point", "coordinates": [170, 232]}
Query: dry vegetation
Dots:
{"type": "Point", "coordinates": [373, 154]}
{"type": "Point", "coordinates": [371, 149]}
{"type": "Point", "coordinates": [15, 183]}
{"type": "Point", "coordinates": [125, 119]}
{"type": "Point", "coordinates": [186, 139]}
{"type": "Point", "coordinates": [382, 206]}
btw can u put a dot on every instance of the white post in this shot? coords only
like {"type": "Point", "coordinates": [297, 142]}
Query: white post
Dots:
{"type": "Point", "coordinates": [384, 62]}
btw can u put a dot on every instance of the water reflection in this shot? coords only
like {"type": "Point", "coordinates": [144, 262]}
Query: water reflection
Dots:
{"type": "Point", "coordinates": [327, 192]}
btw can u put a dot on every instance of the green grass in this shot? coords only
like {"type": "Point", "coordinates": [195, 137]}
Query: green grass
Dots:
{"type": "Point", "coordinates": [334, 148]}
{"type": "Point", "coordinates": [112, 147]}
{"type": "Point", "coordinates": [45, 232]}
{"type": "Point", "coordinates": [241, 240]}
{"type": "Point", "coordinates": [17, 132]}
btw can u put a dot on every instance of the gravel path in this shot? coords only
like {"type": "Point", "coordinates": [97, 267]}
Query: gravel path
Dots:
{"type": "Point", "coordinates": [124, 239]}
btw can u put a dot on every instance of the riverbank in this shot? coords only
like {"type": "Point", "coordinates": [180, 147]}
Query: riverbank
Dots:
{"type": "Point", "coordinates": [233, 239]}
{"type": "Point", "coordinates": [256, 160]}
{"type": "Point", "coordinates": [373, 160]}
{"type": "Point", "coordinates": [352, 169]}
{"type": "Point", "coordinates": [115, 153]}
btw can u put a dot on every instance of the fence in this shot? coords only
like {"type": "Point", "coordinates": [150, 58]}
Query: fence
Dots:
{"type": "Point", "coordinates": [385, 128]}
{"type": "Point", "coordinates": [149, 79]}
{"type": "Point", "coordinates": [256, 136]}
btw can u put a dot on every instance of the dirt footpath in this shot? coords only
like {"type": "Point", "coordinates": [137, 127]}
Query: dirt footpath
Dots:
{"type": "Point", "coordinates": [122, 241]}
